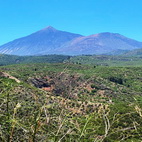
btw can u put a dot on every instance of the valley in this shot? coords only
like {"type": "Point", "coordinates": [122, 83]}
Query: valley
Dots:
{"type": "Point", "coordinates": [67, 102]}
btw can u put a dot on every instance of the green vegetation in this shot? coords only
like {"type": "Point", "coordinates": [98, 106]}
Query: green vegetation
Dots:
{"type": "Point", "coordinates": [12, 59]}
{"type": "Point", "coordinates": [96, 60]}
{"type": "Point", "coordinates": [70, 102]}
{"type": "Point", "coordinates": [107, 60]}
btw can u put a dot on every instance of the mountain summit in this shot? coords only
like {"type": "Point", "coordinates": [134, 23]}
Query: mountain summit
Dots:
{"type": "Point", "coordinates": [52, 41]}
{"type": "Point", "coordinates": [49, 29]}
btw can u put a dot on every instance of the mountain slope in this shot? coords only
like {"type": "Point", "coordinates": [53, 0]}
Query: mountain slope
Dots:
{"type": "Point", "coordinates": [136, 53]}
{"type": "Point", "coordinates": [100, 44]}
{"type": "Point", "coordinates": [43, 42]}
{"type": "Point", "coordinates": [52, 41]}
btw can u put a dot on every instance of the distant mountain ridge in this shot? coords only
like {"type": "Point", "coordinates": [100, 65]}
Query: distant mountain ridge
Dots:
{"type": "Point", "coordinates": [135, 53]}
{"type": "Point", "coordinates": [102, 43]}
{"type": "Point", "coordinates": [52, 41]}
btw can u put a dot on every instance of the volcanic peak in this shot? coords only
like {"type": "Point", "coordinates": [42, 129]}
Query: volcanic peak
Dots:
{"type": "Point", "coordinates": [49, 28]}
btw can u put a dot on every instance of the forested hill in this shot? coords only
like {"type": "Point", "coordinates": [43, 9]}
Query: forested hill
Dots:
{"type": "Point", "coordinates": [13, 59]}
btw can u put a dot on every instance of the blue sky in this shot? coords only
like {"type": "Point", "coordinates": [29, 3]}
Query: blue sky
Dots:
{"type": "Point", "coordinates": [19, 18]}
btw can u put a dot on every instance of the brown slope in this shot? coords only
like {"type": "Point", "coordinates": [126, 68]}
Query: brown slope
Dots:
{"type": "Point", "coordinates": [99, 44]}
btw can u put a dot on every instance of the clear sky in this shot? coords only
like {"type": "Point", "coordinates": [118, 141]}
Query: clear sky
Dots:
{"type": "Point", "coordinates": [19, 18]}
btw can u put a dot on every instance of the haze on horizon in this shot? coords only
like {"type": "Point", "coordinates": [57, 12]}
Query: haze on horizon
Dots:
{"type": "Point", "coordinates": [21, 18]}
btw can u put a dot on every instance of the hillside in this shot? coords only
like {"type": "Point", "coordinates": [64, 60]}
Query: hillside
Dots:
{"type": "Point", "coordinates": [52, 41]}
{"type": "Point", "coordinates": [134, 53]}
{"type": "Point", "coordinates": [67, 102]}
{"type": "Point", "coordinates": [108, 60]}
{"type": "Point", "coordinates": [13, 59]}
{"type": "Point", "coordinates": [96, 60]}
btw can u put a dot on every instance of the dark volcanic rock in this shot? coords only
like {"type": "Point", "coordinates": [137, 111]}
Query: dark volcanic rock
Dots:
{"type": "Point", "coordinates": [39, 83]}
